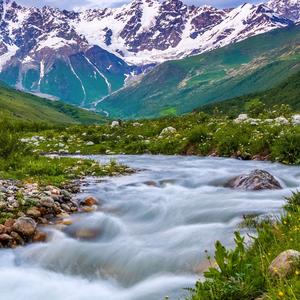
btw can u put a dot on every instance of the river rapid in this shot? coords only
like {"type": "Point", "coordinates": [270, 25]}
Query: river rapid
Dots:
{"type": "Point", "coordinates": [153, 228]}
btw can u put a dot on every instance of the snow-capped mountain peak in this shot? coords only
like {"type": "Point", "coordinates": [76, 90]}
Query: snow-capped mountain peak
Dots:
{"type": "Point", "coordinates": [36, 42]}
{"type": "Point", "coordinates": [287, 8]}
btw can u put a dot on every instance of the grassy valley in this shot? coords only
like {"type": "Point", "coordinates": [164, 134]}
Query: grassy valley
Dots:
{"type": "Point", "coordinates": [175, 87]}
{"type": "Point", "coordinates": [27, 107]}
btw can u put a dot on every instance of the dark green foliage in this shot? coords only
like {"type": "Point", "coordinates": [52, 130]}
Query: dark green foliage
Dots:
{"type": "Point", "coordinates": [254, 108]}
{"type": "Point", "coordinates": [199, 134]}
{"type": "Point", "coordinates": [293, 202]}
{"type": "Point", "coordinates": [287, 147]}
{"type": "Point", "coordinates": [282, 99]}
{"type": "Point", "coordinates": [231, 280]}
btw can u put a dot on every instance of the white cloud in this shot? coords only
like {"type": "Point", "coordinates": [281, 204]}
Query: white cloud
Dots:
{"type": "Point", "coordinates": [82, 4]}
{"type": "Point", "coordinates": [74, 4]}
{"type": "Point", "coordinates": [97, 3]}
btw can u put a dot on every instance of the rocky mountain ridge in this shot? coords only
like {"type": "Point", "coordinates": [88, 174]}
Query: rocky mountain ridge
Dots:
{"type": "Point", "coordinates": [81, 57]}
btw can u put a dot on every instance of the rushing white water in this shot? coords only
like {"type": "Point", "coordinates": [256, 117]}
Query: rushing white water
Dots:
{"type": "Point", "coordinates": [153, 229]}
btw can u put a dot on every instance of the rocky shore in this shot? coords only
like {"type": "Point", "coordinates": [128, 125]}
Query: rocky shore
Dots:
{"type": "Point", "coordinates": [26, 207]}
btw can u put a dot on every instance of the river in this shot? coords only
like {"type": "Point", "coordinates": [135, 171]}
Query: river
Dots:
{"type": "Point", "coordinates": [153, 228]}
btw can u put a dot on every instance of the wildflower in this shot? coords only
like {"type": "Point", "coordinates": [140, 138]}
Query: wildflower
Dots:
{"type": "Point", "coordinates": [280, 294]}
{"type": "Point", "coordinates": [297, 272]}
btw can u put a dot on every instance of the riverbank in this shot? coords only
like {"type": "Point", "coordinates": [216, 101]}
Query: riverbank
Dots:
{"type": "Point", "coordinates": [25, 208]}
{"type": "Point", "coordinates": [268, 269]}
{"type": "Point", "coordinates": [274, 136]}
{"type": "Point", "coordinates": [36, 189]}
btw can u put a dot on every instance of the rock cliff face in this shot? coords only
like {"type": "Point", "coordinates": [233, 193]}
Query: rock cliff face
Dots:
{"type": "Point", "coordinates": [286, 8]}
{"type": "Point", "coordinates": [81, 57]}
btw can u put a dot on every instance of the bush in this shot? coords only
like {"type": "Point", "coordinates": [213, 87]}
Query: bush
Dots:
{"type": "Point", "coordinates": [287, 148]}
{"type": "Point", "coordinates": [198, 135]}
{"type": "Point", "coordinates": [9, 143]}
{"type": "Point", "coordinates": [254, 108]}
{"type": "Point", "coordinates": [232, 138]}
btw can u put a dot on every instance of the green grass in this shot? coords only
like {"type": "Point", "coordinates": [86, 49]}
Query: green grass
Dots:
{"type": "Point", "coordinates": [288, 92]}
{"type": "Point", "coordinates": [21, 106]}
{"type": "Point", "coordinates": [242, 273]}
{"type": "Point", "coordinates": [196, 133]}
{"type": "Point", "coordinates": [20, 162]}
{"type": "Point", "coordinates": [256, 64]}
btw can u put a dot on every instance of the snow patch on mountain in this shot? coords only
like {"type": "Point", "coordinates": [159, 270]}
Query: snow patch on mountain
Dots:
{"type": "Point", "coordinates": [11, 50]}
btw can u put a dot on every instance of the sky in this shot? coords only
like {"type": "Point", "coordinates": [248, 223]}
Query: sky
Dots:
{"type": "Point", "coordinates": [81, 4]}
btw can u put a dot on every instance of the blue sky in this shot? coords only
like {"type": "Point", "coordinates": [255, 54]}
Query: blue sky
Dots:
{"type": "Point", "coordinates": [76, 4]}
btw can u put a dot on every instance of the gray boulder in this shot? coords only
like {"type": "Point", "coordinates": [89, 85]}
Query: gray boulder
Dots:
{"type": "Point", "coordinates": [284, 263]}
{"type": "Point", "coordinates": [25, 226]}
{"type": "Point", "coordinates": [255, 181]}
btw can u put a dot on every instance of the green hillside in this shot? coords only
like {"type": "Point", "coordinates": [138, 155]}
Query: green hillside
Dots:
{"type": "Point", "coordinates": [256, 64]}
{"type": "Point", "coordinates": [26, 107]}
{"type": "Point", "coordinates": [287, 92]}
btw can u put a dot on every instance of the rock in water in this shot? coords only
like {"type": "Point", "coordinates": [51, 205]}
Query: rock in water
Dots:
{"type": "Point", "coordinates": [255, 181]}
{"type": "Point", "coordinates": [284, 263]}
{"type": "Point", "coordinates": [25, 226]}
{"type": "Point", "coordinates": [89, 201]}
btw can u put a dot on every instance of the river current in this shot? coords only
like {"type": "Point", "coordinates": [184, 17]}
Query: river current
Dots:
{"type": "Point", "coordinates": [151, 231]}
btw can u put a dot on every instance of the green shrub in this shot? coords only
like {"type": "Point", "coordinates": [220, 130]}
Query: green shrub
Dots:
{"type": "Point", "coordinates": [198, 135]}
{"type": "Point", "coordinates": [287, 148]}
{"type": "Point", "coordinates": [234, 279]}
{"type": "Point", "coordinates": [254, 108]}
{"type": "Point", "coordinates": [231, 138]}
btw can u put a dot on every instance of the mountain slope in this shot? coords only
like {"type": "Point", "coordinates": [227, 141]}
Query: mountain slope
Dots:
{"type": "Point", "coordinates": [41, 52]}
{"type": "Point", "coordinates": [176, 87]}
{"type": "Point", "coordinates": [82, 57]}
{"type": "Point", "coordinates": [287, 92]}
{"type": "Point", "coordinates": [26, 107]}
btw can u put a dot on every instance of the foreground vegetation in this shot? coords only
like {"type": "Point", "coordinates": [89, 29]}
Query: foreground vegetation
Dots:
{"type": "Point", "coordinates": [263, 134]}
{"type": "Point", "coordinates": [243, 273]}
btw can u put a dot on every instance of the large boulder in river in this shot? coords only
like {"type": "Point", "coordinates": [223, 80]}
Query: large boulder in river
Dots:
{"type": "Point", "coordinates": [25, 226]}
{"type": "Point", "coordinates": [255, 181]}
